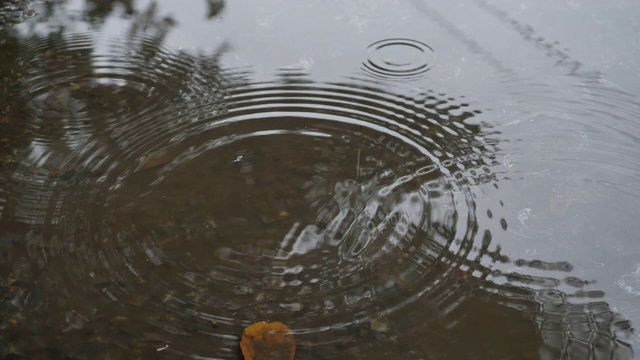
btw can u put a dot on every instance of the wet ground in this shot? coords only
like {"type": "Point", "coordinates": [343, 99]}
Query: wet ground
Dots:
{"type": "Point", "coordinates": [392, 180]}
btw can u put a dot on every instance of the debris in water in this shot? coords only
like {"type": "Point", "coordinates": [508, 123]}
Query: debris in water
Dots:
{"type": "Point", "coordinates": [380, 325]}
{"type": "Point", "coordinates": [268, 341]}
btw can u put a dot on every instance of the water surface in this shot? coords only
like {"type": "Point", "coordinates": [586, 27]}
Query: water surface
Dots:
{"type": "Point", "coordinates": [391, 180]}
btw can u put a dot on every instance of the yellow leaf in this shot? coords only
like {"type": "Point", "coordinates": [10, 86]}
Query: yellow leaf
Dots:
{"type": "Point", "coordinates": [268, 341]}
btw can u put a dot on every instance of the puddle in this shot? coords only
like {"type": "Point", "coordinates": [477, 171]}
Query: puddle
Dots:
{"type": "Point", "coordinates": [171, 174]}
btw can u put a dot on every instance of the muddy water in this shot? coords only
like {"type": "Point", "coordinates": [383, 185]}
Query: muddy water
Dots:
{"type": "Point", "coordinates": [416, 180]}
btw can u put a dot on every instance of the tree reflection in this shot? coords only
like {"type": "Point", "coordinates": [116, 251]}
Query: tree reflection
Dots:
{"type": "Point", "coordinates": [215, 8]}
{"type": "Point", "coordinates": [101, 9]}
{"type": "Point", "coordinates": [15, 46]}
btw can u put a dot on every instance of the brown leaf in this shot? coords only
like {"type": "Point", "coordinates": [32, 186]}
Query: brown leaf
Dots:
{"type": "Point", "coordinates": [155, 160]}
{"type": "Point", "coordinates": [268, 341]}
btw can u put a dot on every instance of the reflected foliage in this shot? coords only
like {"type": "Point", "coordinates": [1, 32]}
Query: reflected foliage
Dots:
{"type": "Point", "coordinates": [215, 8]}
{"type": "Point", "coordinates": [101, 9]}
{"type": "Point", "coordinates": [13, 12]}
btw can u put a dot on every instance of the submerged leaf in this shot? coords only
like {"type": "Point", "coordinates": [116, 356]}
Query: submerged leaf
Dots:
{"type": "Point", "coordinates": [268, 341]}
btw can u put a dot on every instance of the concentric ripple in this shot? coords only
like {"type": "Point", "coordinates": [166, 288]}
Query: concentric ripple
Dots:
{"type": "Point", "coordinates": [68, 80]}
{"type": "Point", "coordinates": [324, 200]}
{"type": "Point", "coordinates": [398, 59]}
{"type": "Point", "coordinates": [81, 94]}
{"type": "Point", "coordinates": [319, 204]}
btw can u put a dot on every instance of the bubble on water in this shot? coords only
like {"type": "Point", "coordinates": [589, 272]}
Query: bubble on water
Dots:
{"type": "Point", "coordinates": [630, 282]}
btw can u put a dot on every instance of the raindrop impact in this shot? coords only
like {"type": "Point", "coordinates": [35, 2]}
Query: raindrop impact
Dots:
{"type": "Point", "coordinates": [398, 59]}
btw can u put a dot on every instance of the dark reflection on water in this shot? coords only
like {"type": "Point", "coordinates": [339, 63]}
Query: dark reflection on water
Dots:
{"type": "Point", "coordinates": [13, 12]}
{"type": "Point", "coordinates": [153, 203]}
